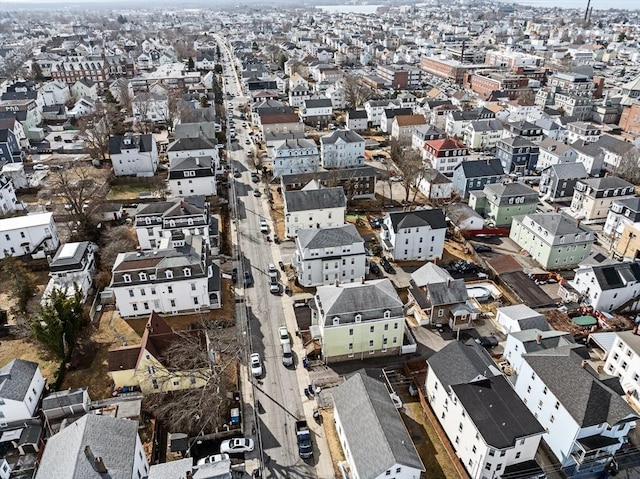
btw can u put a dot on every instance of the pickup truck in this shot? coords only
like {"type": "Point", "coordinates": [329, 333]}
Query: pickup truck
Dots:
{"type": "Point", "coordinates": [305, 447]}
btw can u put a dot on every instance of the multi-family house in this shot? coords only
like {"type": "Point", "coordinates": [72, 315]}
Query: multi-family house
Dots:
{"type": "Point", "coordinates": [357, 120]}
{"type": "Point", "coordinates": [192, 176]}
{"type": "Point", "coordinates": [474, 175]}
{"type": "Point", "coordinates": [21, 386]}
{"type": "Point", "coordinates": [519, 317]}
{"type": "Point", "coordinates": [553, 152]}
{"type": "Point", "coordinates": [585, 418]}
{"type": "Point", "coordinates": [557, 182]}
{"type": "Point", "coordinates": [358, 182]}
{"type": "Point", "coordinates": [517, 155]}
{"type": "Point", "coordinates": [171, 280]}
{"type": "Point", "coordinates": [456, 121]}
{"type": "Point", "coordinates": [622, 213]}
{"type": "Point", "coordinates": [523, 129]}
{"type": "Point", "coordinates": [375, 108]}
{"type": "Point", "coordinates": [326, 255]}
{"type": "Point", "coordinates": [482, 134]}
{"type": "Point", "coordinates": [359, 320]}
{"type": "Point", "coordinates": [623, 361]}
{"type": "Point", "coordinates": [189, 146]}
{"type": "Point", "coordinates": [316, 112]}
{"type": "Point", "coordinates": [591, 156]}
{"type": "Point", "coordinates": [342, 149]}
{"type": "Point", "coordinates": [609, 287]}
{"type": "Point", "coordinates": [10, 151]}
{"type": "Point", "coordinates": [364, 408]}
{"type": "Point", "coordinates": [554, 240]}
{"type": "Point", "coordinates": [8, 200]}
{"type": "Point", "coordinates": [593, 197]}
{"type": "Point", "coordinates": [84, 88]}
{"type": "Point", "coordinates": [437, 298]}
{"type": "Point", "coordinates": [55, 93]}
{"type": "Point", "coordinates": [434, 185]}
{"type": "Point", "coordinates": [614, 150]}
{"type": "Point", "coordinates": [389, 114]}
{"type": "Point", "coordinates": [500, 202]}
{"type": "Point", "coordinates": [490, 429]}
{"type": "Point", "coordinates": [582, 131]}
{"type": "Point", "coordinates": [313, 206]}
{"type": "Point", "coordinates": [414, 235]}
{"type": "Point", "coordinates": [151, 107]}
{"type": "Point", "coordinates": [444, 155]}
{"type": "Point", "coordinates": [133, 155]}
{"type": "Point", "coordinates": [295, 156]}
{"type": "Point", "coordinates": [278, 122]}
{"type": "Point", "coordinates": [153, 366]}
{"type": "Point", "coordinates": [95, 446]}
{"type": "Point", "coordinates": [423, 133]}
{"type": "Point", "coordinates": [402, 127]}
{"type": "Point", "coordinates": [34, 235]}
{"type": "Point", "coordinates": [72, 266]}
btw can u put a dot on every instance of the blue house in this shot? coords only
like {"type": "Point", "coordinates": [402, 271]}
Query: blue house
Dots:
{"type": "Point", "coordinates": [10, 151]}
{"type": "Point", "coordinates": [473, 175]}
{"type": "Point", "coordinates": [517, 155]}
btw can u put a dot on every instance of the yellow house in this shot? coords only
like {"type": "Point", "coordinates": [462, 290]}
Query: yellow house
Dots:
{"type": "Point", "coordinates": [151, 366]}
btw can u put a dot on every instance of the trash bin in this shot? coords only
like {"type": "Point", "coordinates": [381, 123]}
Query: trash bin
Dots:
{"type": "Point", "coordinates": [235, 416]}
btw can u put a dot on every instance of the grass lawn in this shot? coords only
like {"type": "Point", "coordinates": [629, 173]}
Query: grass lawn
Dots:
{"type": "Point", "coordinates": [128, 192]}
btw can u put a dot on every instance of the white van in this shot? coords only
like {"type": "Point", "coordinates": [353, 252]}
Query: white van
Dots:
{"type": "Point", "coordinates": [287, 355]}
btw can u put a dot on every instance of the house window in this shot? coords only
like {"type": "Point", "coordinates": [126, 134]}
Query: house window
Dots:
{"type": "Point", "coordinates": [131, 293]}
{"type": "Point", "coordinates": [502, 453]}
{"type": "Point", "coordinates": [143, 292]}
{"type": "Point", "coordinates": [372, 329]}
{"type": "Point", "coordinates": [173, 303]}
{"type": "Point", "coordinates": [154, 383]}
{"type": "Point", "coordinates": [187, 271]}
{"type": "Point", "coordinates": [193, 286]}
{"type": "Point", "coordinates": [552, 418]}
{"type": "Point", "coordinates": [518, 455]}
{"type": "Point", "coordinates": [350, 345]}
{"type": "Point", "coordinates": [134, 306]}
{"type": "Point", "coordinates": [143, 276]}
{"type": "Point", "coordinates": [371, 343]}
{"type": "Point", "coordinates": [170, 289]}
{"type": "Point", "coordinates": [195, 300]}
{"type": "Point", "coordinates": [488, 466]}
{"type": "Point", "coordinates": [557, 405]}
{"type": "Point", "coordinates": [126, 278]}
{"type": "Point", "coordinates": [169, 274]}
{"type": "Point", "coordinates": [473, 449]}
{"type": "Point", "coordinates": [492, 452]}
{"type": "Point", "coordinates": [350, 331]}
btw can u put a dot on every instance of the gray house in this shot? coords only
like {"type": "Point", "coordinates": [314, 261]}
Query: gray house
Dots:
{"type": "Point", "coordinates": [473, 175]}
{"type": "Point", "coordinates": [558, 181]}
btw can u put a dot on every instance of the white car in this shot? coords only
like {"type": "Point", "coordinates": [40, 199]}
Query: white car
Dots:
{"type": "Point", "coordinates": [40, 167]}
{"type": "Point", "coordinates": [284, 335]}
{"type": "Point", "coordinates": [215, 458]}
{"type": "Point", "coordinates": [263, 227]}
{"type": "Point", "coordinates": [256, 365]}
{"type": "Point", "coordinates": [273, 272]}
{"type": "Point", "coordinates": [236, 445]}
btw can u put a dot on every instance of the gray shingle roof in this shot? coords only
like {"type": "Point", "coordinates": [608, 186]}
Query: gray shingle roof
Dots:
{"type": "Point", "coordinates": [348, 136]}
{"type": "Point", "coordinates": [69, 255]}
{"type": "Point", "coordinates": [461, 363]}
{"type": "Point", "coordinates": [378, 439]}
{"type": "Point", "coordinates": [510, 189]}
{"type": "Point", "coordinates": [412, 219]}
{"type": "Point", "coordinates": [606, 183]}
{"type": "Point", "coordinates": [111, 438]}
{"type": "Point", "coordinates": [442, 293]}
{"type": "Point", "coordinates": [192, 143]}
{"type": "Point", "coordinates": [313, 238]}
{"type": "Point", "coordinates": [306, 200]}
{"type": "Point", "coordinates": [617, 276]}
{"type": "Point", "coordinates": [480, 168]}
{"type": "Point", "coordinates": [556, 223]}
{"type": "Point", "coordinates": [64, 398]}
{"type": "Point", "coordinates": [15, 379]}
{"type": "Point", "coordinates": [586, 398]}
{"type": "Point", "coordinates": [570, 171]}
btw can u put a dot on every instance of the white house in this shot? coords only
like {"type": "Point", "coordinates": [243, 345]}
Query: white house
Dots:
{"type": "Point", "coordinates": [342, 149]}
{"type": "Point", "coordinates": [375, 108]}
{"type": "Point", "coordinates": [85, 88]}
{"type": "Point", "coordinates": [326, 255]}
{"type": "Point", "coordinates": [622, 213]}
{"type": "Point", "coordinates": [520, 317]}
{"type": "Point", "coordinates": [192, 176]}
{"type": "Point", "coordinates": [609, 287]}
{"type": "Point", "coordinates": [55, 93]}
{"type": "Point", "coordinates": [170, 280]}
{"type": "Point", "coordinates": [153, 107]}
{"type": "Point", "coordinates": [363, 408]}
{"type": "Point", "coordinates": [553, 152]}
{"type": "Point", "coordinates": [133, 155]}
{"type": "Point", "coordinates": [357, 120]}
{"type": "Point", "coordinates": [434, 185]}
{"type": "Point", "coordinates": [93, 447]}
{"type": "Point", "coordinates": [585, 417]}
{"type": "Point", "coordinates": [482, 134]}
{"type": "Point", "coordinates": [34, 235]}
{"type": "Point", "coordinates": [21, 385]}
{"type": "Point", "coordinates": [316, 111]}
{"type": "Point", "coordinates": [489, 427]}
{"type": "Point", "coordinates": [193, 146]}
{"type": "Point", "coordinates": [293, 156]}
{"type": "Point", "coordinates": [313, 207]}
{"type": "Point", "coordinates": [82, 107]}
{"type": "Point", "coordinates": [73, 265]}
{"type": "Point", "coordinates": [8, 201]}
{"type": "Point", "coordinates": [414, 235]}
{"type": "Point", "coordinates": [623, 361]}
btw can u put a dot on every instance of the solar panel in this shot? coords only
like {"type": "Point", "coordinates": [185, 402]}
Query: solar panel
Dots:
{"type": "Point", "coordinates": [611, 276]}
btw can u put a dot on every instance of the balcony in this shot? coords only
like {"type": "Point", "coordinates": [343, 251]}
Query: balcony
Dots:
{"type": "Point", "coordinates": [595, 448]}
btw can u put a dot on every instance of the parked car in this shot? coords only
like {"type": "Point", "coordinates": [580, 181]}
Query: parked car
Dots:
{"type": "Point", "coordinates": [482, 248]}
{"type": "Point", "coordinates": [57, 138]}
{"type": "Point", "coordinates": [40, 167]}
{"type": "Point", "coordinates": [387, 266]}
{"type": "Point", "coordinates": [375, 222]}
{"type": "Point", "coordinates": [236, 173]}
{"type": "Point", "coordinates": [487, 341]}
{"type": "Point", "coordinates": [263, 227]}
{"type": "Point", "coordinates": [214, 458]}
{"type": "Point", "coordinates": [234, 275]}
{"type": "Point", "coordinates": [374, 269]}
{"type": "Point", "coordinates": [396, 179]}
{"type": "Point", "coordinates": [254, 177]}
{"type": "Point", "coordinates": [236, 445]}
{"type": "Point", "coordinates": [274, 286]}
{"type": "Point", "coordinates": [248, 281]}
{"type": "Point", "coordinates": [256, 368]}
{"type": "Point", "coordinates": [284, 335]}
{"type": "Point", "coordinates": [256, 192]}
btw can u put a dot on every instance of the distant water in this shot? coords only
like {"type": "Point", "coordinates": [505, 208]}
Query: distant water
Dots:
{"type": "Point", "coordinates": [366, 9]}
{"type": "Point", "coordinates": [582, 4]}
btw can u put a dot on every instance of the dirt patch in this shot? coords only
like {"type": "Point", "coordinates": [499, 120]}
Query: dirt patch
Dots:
{"type": "Point", "coordinates": [333, 441]}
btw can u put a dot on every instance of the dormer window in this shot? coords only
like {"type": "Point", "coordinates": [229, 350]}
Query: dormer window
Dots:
{"type": "Point", "coordinates": [187, 271]}
{"type": "Point", "coordinates": [190, 221]}
{"type": "Point", "coordinates": [126, 278]}
{"type": "Point", "coordinates": [143, 276]}
{"type": "Point", "coordinates": [336, 320]}
{"type": "Point", "coordinates": [387, 314]}
{"type": "Point", "coordinates": [172, 223]}
{"type": "Point", "coordinates": [168, 274]}
{"type": "Point", "coordinates": [358, 318]}
{"type": "Point", "coordinates": [147, 220]}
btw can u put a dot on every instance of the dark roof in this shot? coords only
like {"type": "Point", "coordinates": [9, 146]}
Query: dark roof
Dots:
{"type": "Point", "coordinates": [617, 276]}
{"type": "Point", "coordinates": [318, 103]}
{"type": "Point", "coordinates": [64, 398]}
{"type": "Point", "coordinates": [442, 293]}
{"type": "Point", "coordinates": [15, 379]}
{"type": "Point", "coordinates": [526, 289]}
{"type": "Point", "coordinates": [192, 143]}
{"type": "Point", "coordinates": [357, 114]}
{"type": "Point", "coordinates": [412, 219]}
{"type": "Point", "coordinates": [339, 174]}
{"type": "Point", "coordinates": [69, 256]}
{"type": "Point", "coordinates": [461, 363]}
{"type": "Point", "coordinates": [570, 171]}
{"type": "Point", "coordinates": [314, 238]}
{"type": "Point", "coordinates": [497, 412]}
{"type": "Point", "coordinates": [144, 143]}
{"type": "Point", "coordinates": [306, 200]}
{"type": "Point", "coordinates": [480, 168]}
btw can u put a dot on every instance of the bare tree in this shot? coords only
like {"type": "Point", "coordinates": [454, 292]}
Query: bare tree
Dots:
{"type": "Point", "coordinates": [211, 364]}
{"type": "Point", "coordinates": [141, 106]}
{"type": "Point", "coordinates": [409, 162]}
{"type": "Point", "coordinates": [113, 241]}
{"type": "Point", "coordinates": [355, 92]}
{"type": "Point", "coordinates": [95, 130]}
{"type": "Point", "coordinates": [628, 167]}
{"type": "Point", "coordinates": [124, 97]}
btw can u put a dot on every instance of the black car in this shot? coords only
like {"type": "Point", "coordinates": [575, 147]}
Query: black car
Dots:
{"type": "Point", "coordinates": [375, 222]}
{"type": "Point", "coordinates": [487, 341]}
{"type": "Point", "coordinates": [374, 269]}
{"type": "Point", "coordinates": [482, 248]}
{"type": "Point", "coordinates": [234, 275]}
{"type": "Point", "coordinates": [387, 266]}
{"type": "Point", "coordinates": [254, 177]}
{"type": "Point", "coordinates": [248, 280]}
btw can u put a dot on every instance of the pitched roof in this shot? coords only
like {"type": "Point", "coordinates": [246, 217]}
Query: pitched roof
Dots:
{"type": "Point", "coordinates": [480, 168]}
{"type": "Point", "coordinates": [348, 136]}
{"type": "Point", "coordinates": [113, 439]}
{"type": "Point", "coordinates": [430, 273]}
{"type": "Point", "coordinates": [15, 379]}
{"type": "Point", "coordinates": [314, 238]}
{"type": "Point", "coordinates": [606, 183]}
{"type": "Point", "coordinates": [454, 292]}
{"type": "Point", "coordinates": [556, 223]}
{"type": "Point", "coordinates": [570, 171]}
{"type": "Point", "coordinates": [377, 436]}
{"type": "Point", "coordinates": [510, 189]}
{"type": "Point", "coordinates": [461, 363]}
{"type": "Point", "coordinates": [306, 200]}
{"type": "Point", "coordinates": [617, 276]}
{"type": "Point", "coordinates": [412, 219]}
{"type": "Point", "coordinates": [497, 412]}
{"type": "Point", "coordinates": [410, 120]}
{"type": "Point", "coordinates": [192, 143]}
{"type": "Point", "coordinates": [68, 397]}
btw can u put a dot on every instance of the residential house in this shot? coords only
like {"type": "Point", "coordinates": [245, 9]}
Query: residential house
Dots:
{"type": "Point", "coordinates": [35, 235]}
{"type": "Point", "coordinates": [622, 213]}
{"type": "Point", "coordinates": [295, 156]}
{"type": "Point", "coordinates": [278, 122]}
{"type": "Point", "coordinates": [558, 182]}
{"type": "Point", "coordinates": [474, 175]}
{"type": "Point", "coordinates": [520, 317]}
{"type": "Point", "coordinates": [358, 320]}
{"type": "Point", "coordinates": [133, 155]}
{"type": "Point", "coordinates": [358, 182]}
{"type": "Point", "coordinates": [313, 206]}
{"type": "Point", "coordinates": [357, 120]}
{"type": "Point", "coordinates": [609, 287]}
{"type": "Point", "coordinates": [437, 298]}
{"type": "Point", "coordinates": [463, 217]}
{"type": "Point", "coordinates": [434, 185]}
{"type": "Point", "coordinates": [8, 201]}
{"type": "Point", "coordinates": [21, 386]}
{"type": "Point", "coordinates": [55, 114]}
{"type": "Point", "coordinates": [375, 108]}
{"type": "Point", "coordinates": [523, 129]}
{"type": "Point", "coordinates": [490, 429]}
{"type": "Point", "coordinates": [554, 240]}
{"type": "Point", "coordinates": [10, 151]}
{"type": "Point", "coordinates": [403, 126]}
{"type": "Point", "coordinates": [171, 280]}
{"type": "Point", "coordinates": [326, 255]}
{"type": "Point", "coordinates": [414, 235]}
{"type": "Point", "coordinates": [185, 468]}
{"type": "Point", "coordinates": [389, 114]}
{"type": "Point", "coordinates": [342, 149]}
{"type": "Point", "coordinates": [93, 446]}
{"type": "Point", "coordinates": [151, 107]}
{"type": "Point", "coordinates": [444, 155]}
{"type": "Point", "coordinates": [593, 197]}
{"type": "Point", "coordinates": [517, 155]}
{"type": "Point", "coordinates": [194, 146]}
{"type": "Point", "coordinates": [614, 150]}
{"type": "Point", "coordinates": [553, 152]}
{"type": "Point", "coordinates": [482, 134]}
{"type": "Point", "coordinates": [317, 112]}
{"type": "Point", "coordinates": [55, 93]}
{"type": "Point", "coordinates": [591, 156]}
{"type": "Point", "coordinates": [16, 174]}
{"type": "Point", "coordinates": [66, 403]}
{"type": "Point", "coordinates": [363, 408]}
{"type": "Point", "coordinates": [156, 223]}
{"type": "Point", "coordinates": [193, 176]}
{"type": "Point", "coordinates": [83, 107]}
{"type": "Point", "coordinates": [107, 211]}
{"type": "Point", "coordinates": [153, 365]}
{"type": "Point", "coordinates": [457, 120]}
{"type": "Point", "coordinates": [72, 266]}
{"type": "Point", "coordinates": [84, 88]}
{"type": "Point", "coordinates": [582, 131]}
{"type": "Point", "coordinates": [499, 202]}
{"type": "Point", "coordinates": [424, 133]}
{"type": "Point", "coordinates": [585, 418]}
{"type": "Point", "coordinates": [623, 361]}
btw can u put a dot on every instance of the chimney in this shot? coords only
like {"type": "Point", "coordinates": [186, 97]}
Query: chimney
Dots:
{"type": "Point", "coordinates": [584, 363]}
{"type": "Point", "coordinates": [539, 338]}
{"type": "Point", "coordinates": [98, 465]}
{"type": "Point", "coordinates": [197, 161]}
{"type": "Point", "coordinates": [88, 453]}
{"type": "Point", "coordinates": [578, 223]}
{"type": "Point", "coordinates": [448, 282]}
{"type": "Point", "coordinates": [337, 282]}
